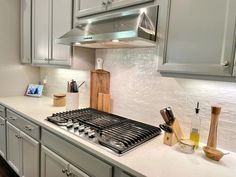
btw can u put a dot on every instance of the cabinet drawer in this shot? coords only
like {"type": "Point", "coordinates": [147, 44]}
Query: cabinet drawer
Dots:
{"type": "Point", "coordinates": [79, 158]}
{"type": "Point", "coordinates": [2, 111]}
{"type": "Point", "coordinates": [26, 126]}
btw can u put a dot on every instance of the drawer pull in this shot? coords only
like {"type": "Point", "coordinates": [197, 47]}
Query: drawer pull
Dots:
{"type": "Point", "coordinates": [28, 128]}
{"type": "Point", "coordinates": [18, 136]}
{"type": "Point", "coordinates": [1, 111]}
{"type": "Point", "coordinates": [2, 124]}
{"type": "Point", "coordinates": [68, 173]}
{"type": "Point", "coordinates": [64, 170]}
{"type": "Point", "coordinates": [12, 118]}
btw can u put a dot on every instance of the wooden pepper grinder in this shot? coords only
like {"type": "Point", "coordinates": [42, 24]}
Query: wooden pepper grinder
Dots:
{"type": "Point", "coordinates": [212, 137]}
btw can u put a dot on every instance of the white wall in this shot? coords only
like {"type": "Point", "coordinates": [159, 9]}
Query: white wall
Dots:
{"type": "Point", "coordinates": [14, 77]}
{"type": "Point", "coordinates": [139, 92]}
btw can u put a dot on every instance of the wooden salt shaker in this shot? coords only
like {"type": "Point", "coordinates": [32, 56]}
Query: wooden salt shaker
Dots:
{"type": "Point", "coordinates": [212, 137]}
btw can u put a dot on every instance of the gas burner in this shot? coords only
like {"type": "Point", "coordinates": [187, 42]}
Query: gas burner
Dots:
{"type": "Point", "coordinates": [114, 132]}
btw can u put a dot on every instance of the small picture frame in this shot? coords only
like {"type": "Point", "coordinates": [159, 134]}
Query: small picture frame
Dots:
{"type": "Point", "coordinates": [34, 90]}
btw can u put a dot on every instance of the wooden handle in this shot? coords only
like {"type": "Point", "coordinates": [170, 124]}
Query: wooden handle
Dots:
{"type": "Point", "coordinates": [212, 137]}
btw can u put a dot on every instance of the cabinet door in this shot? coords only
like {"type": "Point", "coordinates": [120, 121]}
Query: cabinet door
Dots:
{"type": "Point", "coordinates": [61, 24]}
{"type": "Point", "coordinates": [116, 4]}
{"type": "Point", "coordinates": [89, 7]}
{"type": "Point", "coordinates": [41, 31]}
{"type": "Point", "coordinates": [52, 165]}
{"type": "Point", "coordinates": [75, 172]}
{"type": "Point", "coordinates": [197, 36]}
{"type": "Point", "coordinates": [26, 31]}
{"type": "Point", "coordinates": [13, 148]}
{"type": "Point", "coordinates": [30, 156]}
{"type": "Point", "coordinates": [2, 138]}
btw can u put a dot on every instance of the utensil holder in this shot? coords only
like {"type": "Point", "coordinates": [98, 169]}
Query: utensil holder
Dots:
{"type": "Point", "coordinates": [72, 101]}
{"type": "Point", "coordinates": [172, 138]}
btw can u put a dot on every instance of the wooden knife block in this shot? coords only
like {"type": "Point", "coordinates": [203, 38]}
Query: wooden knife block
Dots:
{"type": "Point", "coordinates": [172, 138]}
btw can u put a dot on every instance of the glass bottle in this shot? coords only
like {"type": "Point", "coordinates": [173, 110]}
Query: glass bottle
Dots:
{"type": "Point", "coordinates": [195, 127]}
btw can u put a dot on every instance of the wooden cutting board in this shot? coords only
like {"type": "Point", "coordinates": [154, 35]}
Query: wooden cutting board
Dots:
{"type": "Point", "coordinates": [100, 83]}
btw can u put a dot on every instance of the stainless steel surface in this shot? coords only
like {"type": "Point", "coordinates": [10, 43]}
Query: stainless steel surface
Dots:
{"type": "Point", "coordinates": [134, 28]}
{"type": "Point", "coordinates": [116, 133]}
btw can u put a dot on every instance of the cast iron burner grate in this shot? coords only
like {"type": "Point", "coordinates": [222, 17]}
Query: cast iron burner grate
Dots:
{"type": "Point", "coordinates": [112, 131]}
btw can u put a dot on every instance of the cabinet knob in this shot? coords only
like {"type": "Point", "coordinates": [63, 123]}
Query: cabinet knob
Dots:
{"type": "Point", "coordinates": [109, 2]}
{"type": "Point", "coordinates": [28, 128]}
{"type": "Point", "coordinates": [104, 4]}
{"type": "Point", "coordinates": [18, 136]}
{"type": "Point", "coordinates": [68, 173]}
{"type": "Point", "coordinates": [64, 170]}
{"type": "Point", "coordinates": [226, 63]}
{"type": "Point", "coordinates": [12, 118]}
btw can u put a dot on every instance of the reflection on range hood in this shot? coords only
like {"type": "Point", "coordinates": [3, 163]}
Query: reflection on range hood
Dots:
{"type": "Point", "coordinates": [133, 28]}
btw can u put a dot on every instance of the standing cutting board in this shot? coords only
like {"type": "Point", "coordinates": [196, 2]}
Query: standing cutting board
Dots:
{"type": "Point", "coordinates": [100, 83]}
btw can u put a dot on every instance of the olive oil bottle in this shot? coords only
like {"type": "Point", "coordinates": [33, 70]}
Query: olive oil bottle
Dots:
{"type": "Point", "coordinates": [195, 127]}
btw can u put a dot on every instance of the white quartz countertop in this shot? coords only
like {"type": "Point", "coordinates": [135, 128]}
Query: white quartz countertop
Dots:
{"type": "Point", "coordinates": [151, 159]}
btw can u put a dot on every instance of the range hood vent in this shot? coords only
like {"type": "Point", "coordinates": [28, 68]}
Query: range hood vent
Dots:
{"type": "Point", "coordinates": [134, 28]}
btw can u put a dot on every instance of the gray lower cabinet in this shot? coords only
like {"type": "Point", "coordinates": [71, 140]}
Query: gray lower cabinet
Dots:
{"type": "Point", "coordinates": [89, 7]}
{"type": "Point", "coordinates": [82, 160]}
{"type": "Point", "coordinates": [22, 152]}
{"type": "Point", "coordinates": [51, 19]}
{"type": "Point", "coordinates": [197, 37]}
{"type": "Point", "coordinates": [53, 165]}
{"type": "Point", "coordinates": [26, 31]}
{"type": "Point", "coordinates": [29, 156]}
{"type": "Point", "coordinates": [2, 137]}
{"type": "Point", "coordinates": [13, 148]}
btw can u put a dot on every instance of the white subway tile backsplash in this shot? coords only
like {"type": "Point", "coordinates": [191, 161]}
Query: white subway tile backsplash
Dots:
{"type": "Point", "coordinates": [139, 92]}
{"type": "Point", "coordinates": [57, 82]}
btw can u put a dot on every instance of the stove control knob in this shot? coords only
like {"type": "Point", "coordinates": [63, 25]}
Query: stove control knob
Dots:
{"type": "Point", "coordinates": [76, 126]}
{"type": "Point", "coordinates": [86, 130]}
{"type": "Point", "coordinates": [69, 124]}
{"type": "Point", "coordinates": [81, 128]}
{"type": "Point", "coordinates": [91, 134]}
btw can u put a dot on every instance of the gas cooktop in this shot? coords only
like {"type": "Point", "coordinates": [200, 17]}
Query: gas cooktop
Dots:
{"type": "Point", "coordinates": [111, 131]}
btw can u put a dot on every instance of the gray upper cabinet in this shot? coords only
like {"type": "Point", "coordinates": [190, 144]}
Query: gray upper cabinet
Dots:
{"type": "Point", "coordinates": [197, 37]}
{"type": "Point", "coordinates": [51, 19]}
{"type": "Point", "coordinates": [2, 137]}
{"type": "Point", "coordinates": [26, 31]}
{"type": "Point", "coordinates": [40, 32]}
{"type": "Point", "coordinates": [61, 23]}
{"type": "Point", "coordinates": [89, 7]}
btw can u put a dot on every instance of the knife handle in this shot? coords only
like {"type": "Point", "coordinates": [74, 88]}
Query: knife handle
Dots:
{"type": "Point", "coordinates": [170, 114]}
{"type": "Point", "coordinates": [165, 117]}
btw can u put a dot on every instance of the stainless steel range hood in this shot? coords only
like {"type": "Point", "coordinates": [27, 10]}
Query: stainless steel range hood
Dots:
{"type": "Point", "coordinates": [133, 28]}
